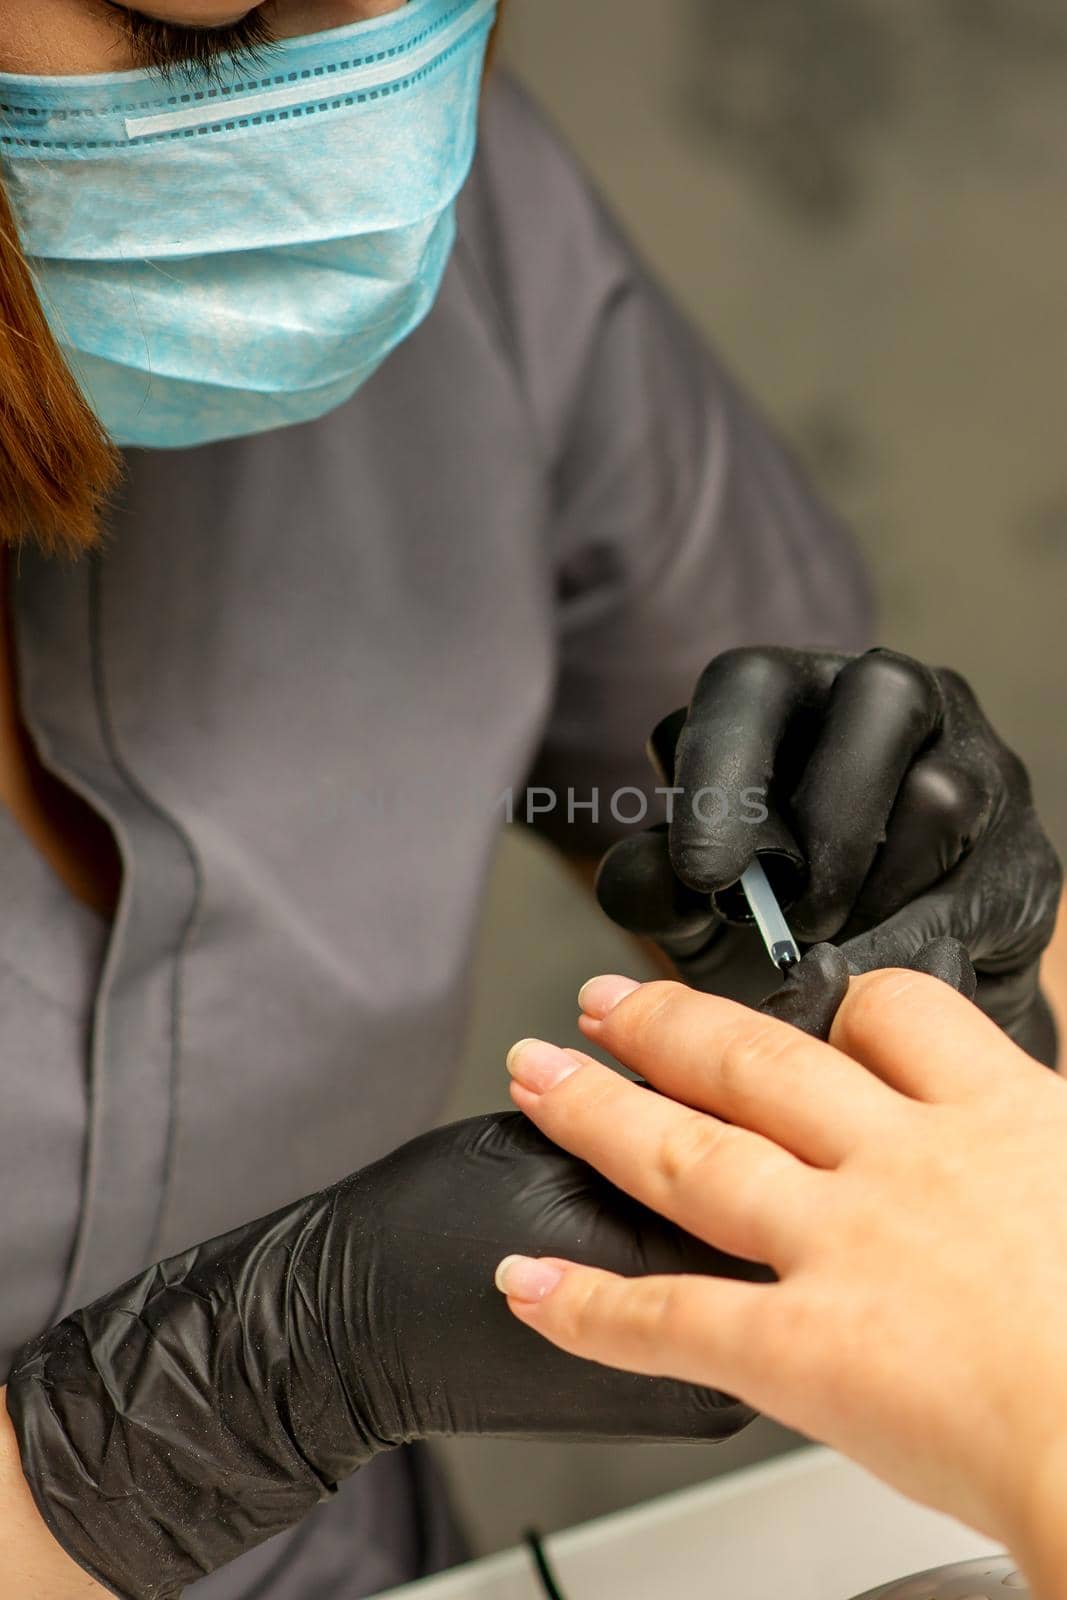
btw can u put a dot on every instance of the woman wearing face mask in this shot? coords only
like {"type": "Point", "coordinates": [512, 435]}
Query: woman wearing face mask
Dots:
{"type": "Point", "coordinates": [392, 483]}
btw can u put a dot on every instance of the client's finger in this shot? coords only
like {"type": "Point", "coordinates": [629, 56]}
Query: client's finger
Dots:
{"type": "Point", "coordinates": [699, 1330]}
{"type": "Point", "coordinates": [731, 1188]}
{"type": "Point", "coordinates": [923, 1039]}
{"type": "Point", "coordinates": [753, 1070]}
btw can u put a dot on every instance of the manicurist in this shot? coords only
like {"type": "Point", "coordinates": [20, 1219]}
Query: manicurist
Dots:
{"type": "Point", "coordinates": [359, 489]}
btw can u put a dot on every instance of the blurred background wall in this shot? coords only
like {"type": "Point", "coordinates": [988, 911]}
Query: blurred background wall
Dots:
{"type": "Point", "coordinates": [863, 204]}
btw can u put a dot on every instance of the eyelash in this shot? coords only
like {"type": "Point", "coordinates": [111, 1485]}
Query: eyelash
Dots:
{"type": "Point", "coordinates": [174, 50]}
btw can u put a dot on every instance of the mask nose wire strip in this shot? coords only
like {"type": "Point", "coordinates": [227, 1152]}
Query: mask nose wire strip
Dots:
{"type": "Point", "coordinates": [372, 75]}
{"type": "Point", "coordinates": [543, 1567]}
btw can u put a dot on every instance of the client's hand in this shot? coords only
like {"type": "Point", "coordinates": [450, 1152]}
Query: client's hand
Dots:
{"type": "Point", "coordinates": [214, 1400]}
{"type": "Point", "coordinates": [907, 1183]}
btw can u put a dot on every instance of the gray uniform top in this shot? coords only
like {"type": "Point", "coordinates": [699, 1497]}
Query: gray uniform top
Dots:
{"type": "Point", "coordinates": [298, 683]}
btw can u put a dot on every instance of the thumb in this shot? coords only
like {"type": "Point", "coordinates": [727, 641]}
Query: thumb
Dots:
{"type": "Point", "coordinates": [812, 992]}
{"type": "Point", "coordinates": [637, 888]}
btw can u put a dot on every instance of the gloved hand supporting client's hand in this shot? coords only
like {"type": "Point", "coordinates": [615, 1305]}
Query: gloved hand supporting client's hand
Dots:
{"type": "Point", "coordinates": [214, 1400]}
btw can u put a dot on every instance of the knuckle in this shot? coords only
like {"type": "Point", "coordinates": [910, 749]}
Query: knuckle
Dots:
{"type": "Point", "coordinates": [906, 683]}
{"type": "Point", "coordinates": [747, 668]}
{"type": "Point", "coordinates": [647, 1013]}
{"type": "Point", "coordinates": [655, 1316]}
{"type": "Point", "coordinates": [957, 690]}
{"type": "Point", "coordinates": [728, 661]}
{"type": "Point", "coordinates": [956, 798]}
{"type": "Point", "coordinates": [598, 1303]}
{"type": "Point", "coordinates": [745, 1055]}
{"type": "Point", "coordinates": [573, 1307]}
{"type": "Point", "coordinates": [585, 1093]}
{"type": "Point", "coordinates": [689, 1145]}
{"type": "Point", "coordinates": [588, 1307]}
{"type": "Point", "coordinates": [666, 1311]}
{"type": "Point", "coordinates": [646, 1300]}
{"type": "Point", "coordinates": [870, 997]}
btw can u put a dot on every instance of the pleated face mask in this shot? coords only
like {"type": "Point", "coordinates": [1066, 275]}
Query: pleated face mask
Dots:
{"type": "Point", "coordinates": [222, 257]}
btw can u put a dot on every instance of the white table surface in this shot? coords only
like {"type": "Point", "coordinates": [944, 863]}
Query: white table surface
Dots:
{"type": "Point", "coordinates": [808, 1526]}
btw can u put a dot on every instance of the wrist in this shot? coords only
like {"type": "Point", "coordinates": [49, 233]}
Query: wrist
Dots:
{"type": "Point", "coordinates": [31, 1559]}
{"type": "Point", "coordinates": [189, 1415]}
{"type": "Point", "coordinates": [1035, 1519]}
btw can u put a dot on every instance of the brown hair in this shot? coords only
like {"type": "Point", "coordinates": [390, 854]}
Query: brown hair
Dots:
{"type": "Point", "coordinates": [58, 468]}
{"type": "Point", "coordinates": [57, 465]}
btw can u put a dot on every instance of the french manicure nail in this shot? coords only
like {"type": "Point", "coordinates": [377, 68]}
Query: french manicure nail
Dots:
{"type": "Point", "coordinates": [601, 995]}
{"type": "Point", "coordinates": [539, 1066]}
{"type": "Point", "coordinates": [523, 1278]}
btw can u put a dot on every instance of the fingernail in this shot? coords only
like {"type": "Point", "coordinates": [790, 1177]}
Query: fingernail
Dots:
{"type": "Point", "coordinates": [539, 1066]}
{"type": "Point", "coordinates": [601, 995]}
{"type": "Point", "coordinates": [522, 1278]}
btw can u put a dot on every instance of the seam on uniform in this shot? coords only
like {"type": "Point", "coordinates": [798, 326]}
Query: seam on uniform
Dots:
{"type": "Point", "coordinates": [107, 731]}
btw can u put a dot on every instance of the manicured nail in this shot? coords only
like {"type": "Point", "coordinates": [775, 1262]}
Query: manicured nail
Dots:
{"type": "Point", "coordinates": [601, 995]}
{"type": "Point", "coordinates": [522, 1278]}
{"type": "Point", "coordinates": [539, 1066]}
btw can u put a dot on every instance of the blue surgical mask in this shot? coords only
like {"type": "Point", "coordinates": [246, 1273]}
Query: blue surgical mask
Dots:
{"type": "Point", "coordinates": [241, 253]}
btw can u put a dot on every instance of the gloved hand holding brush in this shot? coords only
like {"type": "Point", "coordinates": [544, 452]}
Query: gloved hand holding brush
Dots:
{"type": "Point", "coordinates": [888, 814]}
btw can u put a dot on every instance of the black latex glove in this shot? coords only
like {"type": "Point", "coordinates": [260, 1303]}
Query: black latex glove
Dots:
{"type": "Point", "coordinates": [213, 1401]}
{"type": "Point", "coordinates": [896, 819]}
{"type": "Point", "coordinates": [813, 990]}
